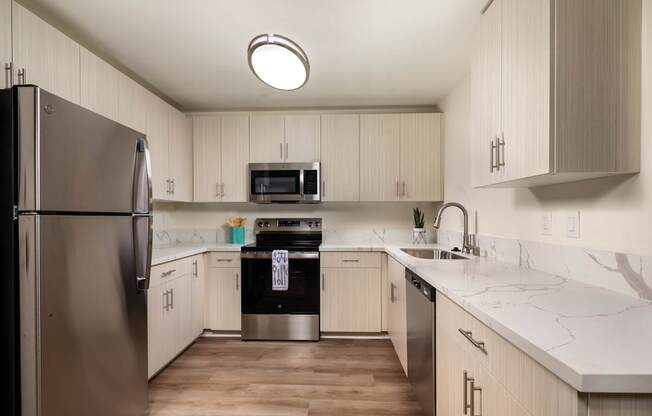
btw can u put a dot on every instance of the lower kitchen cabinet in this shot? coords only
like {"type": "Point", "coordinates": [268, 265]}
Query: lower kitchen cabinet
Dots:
{"type": "Point", "coordinates": [397, 310]}
{"type": "Point", "coordinates": [173, 322]}
{"type": "Point", "coordinates": [351, 295]}
{"type": "Point", "coordinates": [197, 290]}
{"type": "Point", "coordinates": [222, 295]}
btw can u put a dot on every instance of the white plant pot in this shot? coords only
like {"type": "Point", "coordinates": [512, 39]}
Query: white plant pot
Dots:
{"type": "Point", "coordinates": [419, 236]}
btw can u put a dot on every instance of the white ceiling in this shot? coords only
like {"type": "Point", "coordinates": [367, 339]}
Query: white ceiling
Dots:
{"type": "Point", "coordinates": [362, 52]}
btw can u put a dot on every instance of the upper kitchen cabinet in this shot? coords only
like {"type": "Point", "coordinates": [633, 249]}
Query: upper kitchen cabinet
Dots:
{"type": "Point", "coordinates": [158, 138]}
{"type": "Point", "coordinates": [234, 157]}
{"type": "Point", "coordinates": [100, 85]}
{"type": "Point", "coordinates": [420, 153]}
{"type": "Point", "coordinates": [132, 104]}
{"type": "Point", "coordinates": [284, 138]}
{"type": "Point", "coordinates": [44, 56]}
{"type": "Point", "coordinates": [5, 40]}
{"type": "Point", "coordinates": [556, 91]}
{"type": "Point", "coordinates": [340, 157]}
{"type": "Point", "coordinates": [206, 150]}
{"type": "Point", "coordinates": [180, 156]}
{"type": "Point", "coordinates": [267, 138]}
{"type": "Point", "coordinates": [221, 155]}
{"type": "Point", "coordinates": [302, 137]}
{"type": "Point", "coordinates": [379, 157]}
{"type": "Point", "coordinates": [400, 157]}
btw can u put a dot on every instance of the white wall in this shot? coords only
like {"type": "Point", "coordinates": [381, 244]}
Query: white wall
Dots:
{"type": "Point", "coordinates": [616, 213]}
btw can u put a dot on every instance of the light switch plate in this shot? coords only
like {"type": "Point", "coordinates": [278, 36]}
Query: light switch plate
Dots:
{"type": "Point", "coordinates": [573, 224]}
{"type": "Point", "coordinates": [546, 223]}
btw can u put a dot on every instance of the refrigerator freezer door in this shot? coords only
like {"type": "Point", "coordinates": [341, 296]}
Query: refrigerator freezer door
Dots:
{"type": "Point", "coordinates": [92, 318]}
{"type": "Point", "coordinates": [73, 160]}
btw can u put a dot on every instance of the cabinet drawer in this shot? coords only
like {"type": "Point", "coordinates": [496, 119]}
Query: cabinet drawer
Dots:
{"type": "Point", "coordinates": [169, 271]}
{"type": "Point", "coordinates": [224, 259]}
{"type": "Point", "coordinates": [350, 260]}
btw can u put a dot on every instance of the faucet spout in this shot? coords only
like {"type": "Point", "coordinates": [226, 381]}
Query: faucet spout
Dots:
{"type": "Point", "coordinates": [467, 246]}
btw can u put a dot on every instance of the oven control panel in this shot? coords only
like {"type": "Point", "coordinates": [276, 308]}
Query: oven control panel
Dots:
{"type": "Point", "coordinates": [287, 225]}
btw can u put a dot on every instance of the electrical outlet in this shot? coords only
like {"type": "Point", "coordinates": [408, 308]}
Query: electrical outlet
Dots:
{"type": "Point", "coordinates": [546, 223]}
{"type": "Point", "coordinates": [573, 224]}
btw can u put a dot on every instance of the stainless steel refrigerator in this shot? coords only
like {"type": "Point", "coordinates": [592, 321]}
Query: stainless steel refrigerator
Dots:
{"type": "Point", "coordinates": [75, 249]}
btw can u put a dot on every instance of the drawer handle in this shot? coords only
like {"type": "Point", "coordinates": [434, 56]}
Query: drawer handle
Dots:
{"type": "Point", "coordinates": [350, 261]}
{"type": "Point", "coordinates": [224, 260]}
{"type": "Point", "coordinates": [392, 297]}
{"type": "Point", "coordinates": [478, 344]}
{"type": "Point", "coordinates": [169, 272]}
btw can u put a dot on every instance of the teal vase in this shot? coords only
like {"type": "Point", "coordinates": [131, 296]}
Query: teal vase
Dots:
{"type": "Point", "coordinates": [237, 235]}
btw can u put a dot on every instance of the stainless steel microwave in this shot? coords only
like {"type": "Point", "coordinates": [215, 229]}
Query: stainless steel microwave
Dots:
{"type": "Point", "coordinates": [284, 183]}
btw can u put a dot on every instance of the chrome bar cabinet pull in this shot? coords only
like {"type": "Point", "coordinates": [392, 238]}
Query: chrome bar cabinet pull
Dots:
{"type": "Point", "coordinates": [469, 335]}
{"type": "Point", "coordinates": [467, 406]}
{"type": "Point", "coordinates": [9, 75]}
{"type": "Point", "coordinates": [169, 272]}
{"type": "Point", "coordinates": [492, 156]}
{"type": "Point", "coordinates": [500, 151]}
{"type": "Point", "coordinates": [21, 76]}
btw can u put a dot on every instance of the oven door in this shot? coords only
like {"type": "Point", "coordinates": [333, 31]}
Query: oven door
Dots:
{"type": "Point", "coordinates": [302, 296]}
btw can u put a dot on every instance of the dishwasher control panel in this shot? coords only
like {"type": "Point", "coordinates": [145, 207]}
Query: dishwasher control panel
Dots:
{"type": "Point", "coordinates": [424, 287]}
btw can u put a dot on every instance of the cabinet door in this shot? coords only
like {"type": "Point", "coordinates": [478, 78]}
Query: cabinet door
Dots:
{"type": "Point", "coordinates": [157, 336]}
{"type": "Point", "coordinates": [223, 299]}
{"type": "Point", "coordinates": [158, 138]}
{"type": "Point", "coordinates": [180, 156]}
{"type": "Point", "coordinates": [486, 96]}
{"type": "Point", "coordinates": [50, 58]}
{"type": "Point", "coordinates": [526, 51]}
{"type": "Point", "coordinates": [302, 137]}
{"type": "Point", "coordinates": [100, 85]}
{"type": "Point", "coordinates": [420, 157]}
{"type": "Point", "coordinates": [234, 157]}
{"type": "Point", "coordinates": [206, 149]}
{"type": "Point", "coordinates": [350, 300]}
{"type": "Point", "coordinates": [266, 138]}
{"type": "Point", "coordinates": [397, 313]}
{"type": "Point", "coordinates": [340, 157]}
{"type": "Point", "coordinates": [132, 104]}
{"type": "Point", "coordinates": [181, 333]}
{"type": "Point", "coordinates": [5, 35]}
{"type": "Point", "coordinates": [379, 157]}
{"type": "Point", "coordinates": [197, 296]}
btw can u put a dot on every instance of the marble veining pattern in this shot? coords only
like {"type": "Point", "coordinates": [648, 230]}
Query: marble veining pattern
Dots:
{"type": "Point", "coordinates": [591, 337]}
{"type": "Point", "coordinates": [625, 273]}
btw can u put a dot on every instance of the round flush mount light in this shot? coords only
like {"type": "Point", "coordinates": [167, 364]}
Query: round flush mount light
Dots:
{"type": "Point", "coordinates": [278, 62]}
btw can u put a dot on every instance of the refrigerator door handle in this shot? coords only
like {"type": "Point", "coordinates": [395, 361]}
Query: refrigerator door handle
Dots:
{"type": "Point", "coordinates": [142, 203]}
{"type": "Point", "coordinates": [143, 250]}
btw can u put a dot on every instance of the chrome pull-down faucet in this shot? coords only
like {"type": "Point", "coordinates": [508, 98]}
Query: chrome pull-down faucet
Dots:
{"type": "Point", "coordinates": [468, 246]}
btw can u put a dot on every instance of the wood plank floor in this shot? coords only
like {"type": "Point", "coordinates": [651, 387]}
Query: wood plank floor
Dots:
{"type": "Point", "coordinates": [332, 377]}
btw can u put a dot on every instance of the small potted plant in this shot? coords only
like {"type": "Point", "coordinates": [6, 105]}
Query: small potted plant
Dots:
{"type": "Point", "coordinates": [237, 229]}
{"type": "Point", "coordinates": [419, 231]}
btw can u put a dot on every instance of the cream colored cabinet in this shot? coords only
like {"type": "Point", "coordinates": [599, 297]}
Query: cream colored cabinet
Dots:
{"type": "Point", "coordinates": [550, 112]}
{"type": "Point", "coordinates": [284, 138]}
{"type": "Point", "coordinates": [198, 285]}
{"type": "Point", "coordinates": [221, 155]}
{"type": "Point", "coordinates": [180, 156]}
{"type": "Point", "coordinates": [350, 292]}
{"type": "Point", "coordinates": [267, 138]}
{"type": "Point", "coordinates": [397, 310]}
{"type": "Point", "coordinates": [157, 341]}
{"type": "Point", "coordinates": [5, 41]}
{"type": "Point", "coordinates": [44, 56]}
{"type": "Point", "coordinates": [379, 157]}
{"type": "Point", "coordinates": [420, 157]}
{"type": "Point", "coordinates": [132, 104]}
{"type": "Point", "coordinates": [100, 85]}
{"type": "Point", "coordinates": [400, 157]}
{"type": "Point", "coordinates": [158, 138]}
{"type": "Point", "coordinates": [340, 157]}
{"type": "Point", "coordinates": [302, 138]}
{"type": "Point", "coordinates": [222, 298]}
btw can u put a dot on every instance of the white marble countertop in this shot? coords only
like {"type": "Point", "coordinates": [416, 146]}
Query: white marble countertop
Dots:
{"type": "Point", "coordinates": [595, 339]}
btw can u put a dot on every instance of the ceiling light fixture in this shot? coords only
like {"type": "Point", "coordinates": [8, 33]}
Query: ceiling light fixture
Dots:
{"type": "Point", "coordinates": [278, 62]}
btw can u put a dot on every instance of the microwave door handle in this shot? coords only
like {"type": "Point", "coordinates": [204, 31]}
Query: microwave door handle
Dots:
{"type": "Point", "coordinates": [301, 183]}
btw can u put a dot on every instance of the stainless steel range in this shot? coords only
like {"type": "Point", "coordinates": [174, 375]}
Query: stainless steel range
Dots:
{"type": "Point", "coordinates": [291, 314]}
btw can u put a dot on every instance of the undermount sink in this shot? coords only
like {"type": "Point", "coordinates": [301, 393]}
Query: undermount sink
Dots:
{"type": "Point", "coordinates": [432, 254]}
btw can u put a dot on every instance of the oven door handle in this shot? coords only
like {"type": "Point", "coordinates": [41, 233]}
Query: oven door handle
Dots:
{"type": "Point", "coordinates": [268, 255]}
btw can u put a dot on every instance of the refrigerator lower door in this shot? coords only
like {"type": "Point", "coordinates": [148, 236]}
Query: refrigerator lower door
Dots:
{"type": "Point", "coordinates": [90, 319]}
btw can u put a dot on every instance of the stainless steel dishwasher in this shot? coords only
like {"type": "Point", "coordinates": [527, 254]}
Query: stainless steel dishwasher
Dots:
{"type": "Point", "coordinates": [420, 298]}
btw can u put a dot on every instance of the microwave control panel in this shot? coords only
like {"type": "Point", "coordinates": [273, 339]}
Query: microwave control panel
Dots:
{"type": "Point", "coordinates": [310, 182]}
